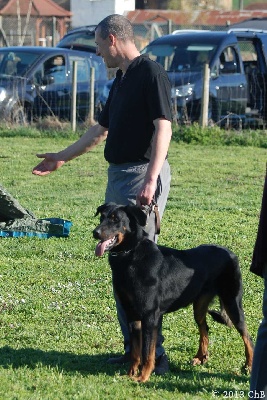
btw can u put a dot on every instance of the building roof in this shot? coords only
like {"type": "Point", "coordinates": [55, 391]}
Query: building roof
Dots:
{"type": "Point", "coordinates": [42, 8]}
{"type": "Point", "coordinates": [186, 18]}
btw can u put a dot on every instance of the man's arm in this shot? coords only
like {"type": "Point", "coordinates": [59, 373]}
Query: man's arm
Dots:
{"type": "Point", "coordinates": [52, 161]}
{"type": "Point", "coordinates": [160, 145]}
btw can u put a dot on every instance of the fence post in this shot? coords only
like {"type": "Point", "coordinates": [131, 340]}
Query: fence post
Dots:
{"type": "Point", "coordinates": [74, 95]}
{"type": "Point", "coordinates": [54, 31]}
{"type": "Point", "coordinates": [205, 96]}
{"type": "Point", "coordinates": [92, 95]}
{"type": "Point", "coordinates": [169, 26]}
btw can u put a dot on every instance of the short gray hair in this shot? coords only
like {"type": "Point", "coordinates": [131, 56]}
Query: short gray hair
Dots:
{"type": "Point", "coordinates": [116, 25]}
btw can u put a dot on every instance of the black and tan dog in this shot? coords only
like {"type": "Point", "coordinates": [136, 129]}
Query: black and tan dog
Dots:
{"type": "Point", "coordinates": [152, 280]}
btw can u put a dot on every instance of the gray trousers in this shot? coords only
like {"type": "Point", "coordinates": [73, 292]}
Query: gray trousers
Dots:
{"type": "Point", "coordinates": [258, 381]}
{"type": "Point", "coordinates": [124, 181]}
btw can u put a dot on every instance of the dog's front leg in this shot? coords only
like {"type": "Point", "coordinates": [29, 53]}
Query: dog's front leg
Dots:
{"type": "Point", "coordinates": [200, 309]}
{"type": "Point", "coordinates": [149, 339]}
{"type": "Point", "coordinates": [135, 330]}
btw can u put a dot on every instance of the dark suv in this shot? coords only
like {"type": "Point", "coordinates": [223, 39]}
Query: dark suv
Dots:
{"type": "Point", "coordinates": [82, 38]}
{"type": "Point", "coordinates": [238, 73]}
{"type": "Point", "coordinates": [37, 81]}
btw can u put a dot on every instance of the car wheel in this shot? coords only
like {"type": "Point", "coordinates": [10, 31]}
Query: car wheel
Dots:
{"type": "Point", "coordinates": [19, 116]}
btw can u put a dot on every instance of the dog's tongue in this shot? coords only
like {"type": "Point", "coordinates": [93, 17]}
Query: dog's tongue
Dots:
{"type": "Point", "coordinates": [100, 248]}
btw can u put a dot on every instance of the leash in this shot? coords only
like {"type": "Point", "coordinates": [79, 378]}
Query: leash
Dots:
{"type": "Point", "coordinates": [153, 207]}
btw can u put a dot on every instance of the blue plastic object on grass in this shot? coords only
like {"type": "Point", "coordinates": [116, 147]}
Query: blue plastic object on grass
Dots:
{"type": "Point", "coordinates": [59, 222]}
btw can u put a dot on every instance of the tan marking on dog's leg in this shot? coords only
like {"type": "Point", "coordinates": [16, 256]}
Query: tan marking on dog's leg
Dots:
{"type": "Point", "coordinates": [248, 350]}
{"type": "Point", "coordinates": [148, 364]}
{"type": "Point", "coordinates": [202, 354]}
{"type": "Point", "coordinates": [200, 311]}
{"type": "Point", "coordinates": [136, 348]}
{"type": "Point", "coordinates": [236, 314]}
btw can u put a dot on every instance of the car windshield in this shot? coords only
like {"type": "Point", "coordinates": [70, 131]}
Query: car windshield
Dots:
{"type": "Point", "coordinates": [181, 58]}
{"type": "Point", "coordinates": [16, 63]}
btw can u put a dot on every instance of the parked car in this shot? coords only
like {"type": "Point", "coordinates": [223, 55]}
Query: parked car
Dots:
{"type": "Point", "coordinates": [238, 74]}
{"type": "Point", "coordinates": [37, 81]}
{"type": "Point", "coordinates": [82, 38]}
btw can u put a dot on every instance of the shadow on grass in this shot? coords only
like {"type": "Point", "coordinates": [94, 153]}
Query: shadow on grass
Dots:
{"type": "Point", "coordinates": [190, 381]}
{"type": "Point", "coordinates": [69, 362]}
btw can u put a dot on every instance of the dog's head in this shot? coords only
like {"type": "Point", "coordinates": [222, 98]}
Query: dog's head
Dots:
{"type": "Point", "coordinates": [120, 227]}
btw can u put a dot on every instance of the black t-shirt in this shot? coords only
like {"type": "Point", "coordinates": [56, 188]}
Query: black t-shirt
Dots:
{"type": "Point", "coordinates": [141, 96]}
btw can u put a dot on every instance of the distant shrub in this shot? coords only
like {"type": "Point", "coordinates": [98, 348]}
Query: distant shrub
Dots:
{"type": "Point", "coordinates": [217, 136]}
{"type": "Point", "coordinates": [194, 134]}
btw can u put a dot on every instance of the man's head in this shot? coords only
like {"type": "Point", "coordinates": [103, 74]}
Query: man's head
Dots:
{"type": "Point", "coordinates": [116, 25]}
{"type": "Point", "coordinates": [112, 36]}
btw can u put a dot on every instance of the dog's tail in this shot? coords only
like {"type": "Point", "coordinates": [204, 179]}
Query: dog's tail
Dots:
{"type": "Point", "coordinates": [221, 316]}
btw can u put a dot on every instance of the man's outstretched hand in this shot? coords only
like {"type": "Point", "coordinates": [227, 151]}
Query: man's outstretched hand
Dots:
{"type": "Point", "coordinates": [48, 165]}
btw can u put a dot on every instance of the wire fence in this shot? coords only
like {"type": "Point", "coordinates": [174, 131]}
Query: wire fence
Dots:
{"type": "Point", "coordinates": [148, 31]}
{"type": "Point", "coordinates": [45, 31]}
{"type": "Point", "coordinates": [25, 33]}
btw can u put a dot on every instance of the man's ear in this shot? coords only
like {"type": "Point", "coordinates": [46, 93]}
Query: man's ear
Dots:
{"type": "Point", "coordinates": [137, 213]}
{"type": "Point", "coordinates": [112, 39]}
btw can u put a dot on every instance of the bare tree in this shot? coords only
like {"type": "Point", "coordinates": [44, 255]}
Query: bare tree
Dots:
{"type": "Point", "coordinates": [19, 21]}
{"type": "Point", "coordinates": [21, 37]}
{"type": "Point", "coordinates": [26, 23]}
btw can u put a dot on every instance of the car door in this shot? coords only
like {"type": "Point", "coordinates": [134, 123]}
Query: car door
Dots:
{"type": "Point", "coordinates": [83, 84]}
{"type": "Point", "coordinates": [53, 88]}
{"type": "Point", "coordinates": [252, 53]}
{"type": "Point", "coordinates": [228, 83]}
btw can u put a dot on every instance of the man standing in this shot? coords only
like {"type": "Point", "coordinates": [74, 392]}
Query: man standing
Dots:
{"type": "Point", "coordinates": [258, 382]}
{"type": "Point", "coordinates": [136, 123]}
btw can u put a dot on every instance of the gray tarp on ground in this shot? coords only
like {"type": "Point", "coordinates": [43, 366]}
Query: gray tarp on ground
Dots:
{"type": "Point", "coordinates": [15, 218]}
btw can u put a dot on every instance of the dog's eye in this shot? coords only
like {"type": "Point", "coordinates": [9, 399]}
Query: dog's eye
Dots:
{"type": "Point", "coordinates": [114, 218]}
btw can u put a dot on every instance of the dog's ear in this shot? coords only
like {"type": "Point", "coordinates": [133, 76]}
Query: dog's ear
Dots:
{"type": "Point", "coordinates": [103, 207]}
{"type": "Point", "coordinates": [137, 213]}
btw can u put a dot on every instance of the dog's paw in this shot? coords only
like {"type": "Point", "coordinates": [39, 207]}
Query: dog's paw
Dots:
{"type": "Point", "coordinates": [141, 378]}
{"type": "Point", "coordinates": [132, 371]}
{"type": "Point", "coordinates": [200, 360]}
{"type": "Point", "coordinates": [246, 369]}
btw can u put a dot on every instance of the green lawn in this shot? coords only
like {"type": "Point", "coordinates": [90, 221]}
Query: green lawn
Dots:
{"type": "Point", "coordinates": [58, 321]}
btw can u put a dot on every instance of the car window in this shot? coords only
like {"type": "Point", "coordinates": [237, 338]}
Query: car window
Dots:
{"type": "Point", "coordinates": [83, 74]}
{"type": "Point", "coordinates": [56, 67]}
{"type": "Point", "coordinates": [248, 51]}
{"type": "Point", "coordinates": [229, 61]}
{"type": "Point", "coordinates": [249, 56]}
{"type": "Point", "coordinates": [183, 57]}
{"type": "Point", "coordinates": [84, 65]}
{"type": "Point", "coordinates": [100, 68]}
{"type": "Point", "coordinates": [38, 75]}
{"type": "Point", "coordinates": [51, 71]}
{"type": "Point", "coordinates": [16, 63]}
{"type": "Point", "coordinates": [162, 53]}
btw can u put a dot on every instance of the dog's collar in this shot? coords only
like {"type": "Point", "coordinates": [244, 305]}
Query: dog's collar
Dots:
{"type": "Point", "coordinates": [119, 253]}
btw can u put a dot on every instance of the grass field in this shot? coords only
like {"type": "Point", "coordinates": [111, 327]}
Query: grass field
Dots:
{"type": "Point", "coordinates": [58, 322]}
